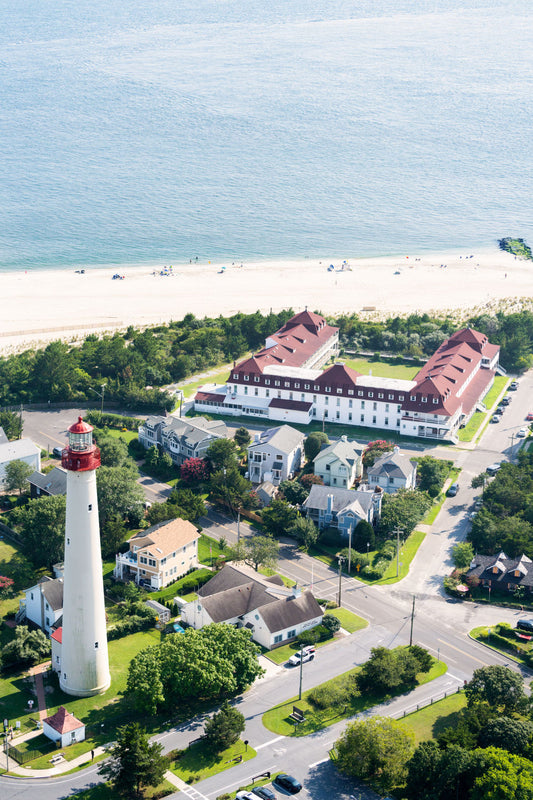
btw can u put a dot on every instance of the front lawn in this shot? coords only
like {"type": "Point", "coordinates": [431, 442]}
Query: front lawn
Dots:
{"type": "Point", "coordinates": [502, 639]}
{"type": "Point", "coordinates": [428, 722]}
{"type": "Point", "coordinates": [209, 550]}
{"type": "Point", "coordinates": [198, 762]}
{"type": "Point", "coordinates": [277, 718]}
{"type": "Point", "coordinates": [349, 621]}
{"type": "Point", "coordinates": [384, 368]}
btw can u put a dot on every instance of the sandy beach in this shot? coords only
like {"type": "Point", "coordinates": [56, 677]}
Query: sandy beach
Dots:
{"type": "Point", "coordinates": [42, 305]}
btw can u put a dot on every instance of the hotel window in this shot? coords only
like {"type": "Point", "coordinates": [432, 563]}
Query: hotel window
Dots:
{"type": "Point", "coordinates": [246, 377]}
{"type": "Point", "coordinates": [374, 420]}
{"type": "Point", "coordinates": [338, 415]}
{"type": "Point", "coordinates": [267, 381]}
{"type": "Point", "coordinates": [314, 398]}
{"type": "Point", "coordinates": [235, 376]}
{"type": "Point", "coordinates": [413, 397]}
{"type": "Point", "coordinates": [328, 388]}
{"type": "Point", "coordinates": [350, 403]}
{"type": "Point", "coordinates": [391, 397]}
{"type": "Point", "coordinates": [302, 397]}
{"type": "Point", "coordinates": [306, 386]}
{"type": "Point", "coordinates": [245, 390]}
{"type": "Point", "coordinates": [338, 401]}
{"type": "Point", "coordinates": [397, 423]}
{"type": "Point", "coordinates": [267, 392]}
{"type": "Point", "coordinates": [362, 404]}
{"type": "Point", "coordinates": [400, 397]}
{"type": "Point", "coordinates": [326, 400]}
{"type": "Point", "coordinates": [296, 385]}
{"type": "Point", "coordinates": [424, 399]}
{"type": "Point", "coordinates": [386, 420]}
{"type": "Point", "coordinates": [350, 391]}
{"type": "Point", "coordinates": [287, 384]}
{"type": "Point", "coordinates": [435, 401]}
{"type": "Point", "coordinates": [256, 391]}
{"type": "Point", "coordinates": [386, 408]}
{"type": "Point", "coordinates": [374, 406]}
{"type": "Point", "coordinates": [398, 409]}
{"type": "Point", "coordinates": [256, 379]}
{"type": "Point", "coordinates": [290, 396]}
{"type": "Point", "coordinates": [339, 391]}
{"type": "Point", "coordinates": [380, 395]}
{"type": "Point", "coordinates": [350, 417]}
{"type": "Point", "coordinates": [362, 417]}
{"type": "Point", "coordinates": [277, 383]}
{"type": "Point", "coordinates": [371, 394]}
{"type": "Point", "coordinates": [360, 394]}
{"type": "Point", "coordinates": [279, 394]}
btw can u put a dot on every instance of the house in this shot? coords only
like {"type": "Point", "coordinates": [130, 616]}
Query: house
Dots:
{"type": "Point", "coordinates": [239, 596]}
{"type": "Point", "coordinates": [56, 640]}
{"type": "Point", "coordinates": [43, 603]}
{"type": "Point", "coordinates": [285, 381]}
{"type": "Point", "coordinates": [163, 614]}
{"type": "Point", "coordinates": [276, 456]}
{"type": "Point", "coordinates": [266, 492]}
{"type": "Point", "coordinates": [19, 450]}
{"type": "Point", "coordinates": [340, 463]}
{"type": "Point", "coordinates": [63, 728]}
{"type": "Point", "coordinates": [500, 571]}
{"type": "Point", "coordinates": [342, 508]}
{"type": "Point", "coordinates": [392, 471]}
{"type": "Point", "coordinates": [159, 555]}
{"type": "Point", "coordinates": [3, 437]}
{"type": "Point", "coordinates": [51, 484]}
{"type": "Point", "coordinates": [181, 438]}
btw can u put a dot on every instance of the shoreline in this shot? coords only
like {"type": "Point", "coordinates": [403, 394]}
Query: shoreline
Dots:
{"type": "Point", "coordinates": [41, 305]}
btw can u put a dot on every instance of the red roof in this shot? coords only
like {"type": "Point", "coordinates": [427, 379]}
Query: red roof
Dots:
{"type": "Point", "coordinates": [63, 722]}
{"type": "Point", "coordinates": [295, 405]}
{"type": "Point", "coordinates": [57, 635]}
{"type": "Point", "coordinates": [338, 376]}
{"type": "Point", "coordinates": [80, 427]}
{"type": "Point", "coordinates": [203, 397]}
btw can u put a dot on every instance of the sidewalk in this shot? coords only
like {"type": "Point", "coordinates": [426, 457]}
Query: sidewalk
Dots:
{"type": "Point", "coordinates": [65, 766]}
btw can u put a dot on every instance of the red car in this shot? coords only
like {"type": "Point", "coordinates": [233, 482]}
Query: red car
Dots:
{"type": "Point", "coordinates": [530, 416]}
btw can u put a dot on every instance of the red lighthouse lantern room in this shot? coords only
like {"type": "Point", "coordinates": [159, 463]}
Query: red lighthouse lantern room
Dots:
{"type": "Point", "coordinates": [81, 454]}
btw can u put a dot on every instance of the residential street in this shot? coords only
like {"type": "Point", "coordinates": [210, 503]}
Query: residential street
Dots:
{"type": "Point", "coordinates": [439, 625]}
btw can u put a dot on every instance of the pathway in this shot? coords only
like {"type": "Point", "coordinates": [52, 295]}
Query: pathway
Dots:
{"type": "Point", "coordinates": [37, 673]}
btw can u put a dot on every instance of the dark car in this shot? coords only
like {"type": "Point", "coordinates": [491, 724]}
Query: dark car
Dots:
{"type": "Point", "coordinates": [500, 410]}
{"type": "Point", "coordinates": [264, 792]}
{"type": "Point", "coordinates": [58, 451]}
{"type": "Point", "coordinates": [525, 625]}
{"type": "Point", "coordinates": [505, 401]}
{"type": "Point", "coordinates": [452, 491]}
{"type": "Point", "coordinates": [287, 784]}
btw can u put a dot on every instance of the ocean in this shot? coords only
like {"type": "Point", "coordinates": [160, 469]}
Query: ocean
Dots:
{"type": "Point", "coordinates": [136, 132]}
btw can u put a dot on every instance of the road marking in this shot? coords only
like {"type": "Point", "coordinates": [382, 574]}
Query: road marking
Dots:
{"type": "Point", "coordinates": [53, 438]}
{"type": "Point", "coordinates": [271, 769]}
{"type": "Point", "coordinates": [463, 652]}
{"type": "Point", "coordinates": [322, 761]}
{"type": "Point", "coordinates": [272, 741]}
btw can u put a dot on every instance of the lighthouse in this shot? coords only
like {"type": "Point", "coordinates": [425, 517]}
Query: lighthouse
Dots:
{"type": "Point", "coordinates": [84, 658]}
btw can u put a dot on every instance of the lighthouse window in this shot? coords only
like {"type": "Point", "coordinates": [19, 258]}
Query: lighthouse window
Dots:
{"type": "Point", "coordinates": [96, 645]}
{"type": "Point", "coordinates": [68, 541]}
{"type": "Point", "coordinates": [90, 507]}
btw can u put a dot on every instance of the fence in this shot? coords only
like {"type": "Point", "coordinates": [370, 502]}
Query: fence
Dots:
{"type": "Point", "coordinates": [23, 756]}
{"type": "Point", "coordinates": [424, 703]}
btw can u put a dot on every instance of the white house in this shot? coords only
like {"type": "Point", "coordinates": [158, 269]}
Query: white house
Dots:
{"type": "Point", "coordinates": [56, 640]}
{"type": "Point", "coordinates": [392, 471]}
{"type": "Point", "coordinates": [64, 728]}
{"type": "Point", "coordinates": [342, 508]}
{"type": "Point", "coordinates": [181, 438]}
{"type": "Point", "coordinates": [159, 555]}
{"type": "Point", "coordinates": [19, 450]}
{"type": "Point", "coordinates": [43, 603]}
{"type": "Point", "coordinates": [340, 463]}
{"type": "Point", "coordinates": [276, 456]}
{"type": "Point", "coordinates": [244, 598]}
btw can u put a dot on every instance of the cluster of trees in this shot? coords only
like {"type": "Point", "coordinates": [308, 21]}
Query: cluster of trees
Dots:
{"type": "Point", "coordinates": [486, 752]}
{"type": "Point", "coordinates": [505, 522]}
{"type": "Point", "coordinates": [25, 649]}
{"type": "Point", "coordinates": [186, 669]}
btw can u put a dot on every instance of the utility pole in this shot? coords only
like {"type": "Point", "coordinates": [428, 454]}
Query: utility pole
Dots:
{"type": "Point", "coordinates": [412, 621]}
{"type": "Point", "coordinates": [397, 531]}
{"type": "Point", "coordinates": [350, 548]}
{"type": "Point", "coordinates": [301, 672]}
{"type": "Point", "coordinates": [238, 525]}
{"type": "Point", "coordinates": [341, 559]}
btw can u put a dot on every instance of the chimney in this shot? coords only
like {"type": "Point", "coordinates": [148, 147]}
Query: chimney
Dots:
{"type": "Point", "coordinates": [330, 504]}
{"type": "Point", "coordinates": [344, 438]}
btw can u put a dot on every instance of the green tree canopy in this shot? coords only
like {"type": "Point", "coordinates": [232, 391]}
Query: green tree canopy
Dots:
{"type": "Point", "coordinates": [375, 750]}
{"type": "Point", "coordinates": [279, 517]}
{"type": "Point", "coordinates": [242, 437]}
{"type": "Point", "coordinates": [11, 423]}
{"type": "Point", "coordinates": [304, 531]}
{"type": "Point", "coordinates": [119, 494]}
{"type": "Point", "coordinates": [41, 526]}
{"type": "Point", "coordinates": [257, 551]}
{"type": "Point", "coordinates": [501, 776]}
{"type": "Point", "coordinates": [229, 487]}
{"type": "Point", "coordinates": [27, 647]}
{"type": "Point", "coordinates": [16, 476]}
{"type": "Point", "coordinates": [222, 453]}
{"type": "Point", "coordinates": [431, 474]}
{"type": "Point", "coordinates": [509, 734]}
{"type": "Point", "coordinates": [293, 492]}
{"type": "Point", "coordinates": [498, 686]}
{"type": "Point", "coordinates": [113, 451]}
{"type": "Point", "coordinates": [404, 509]}
{"type": "Point", "coordinates": [435, 774]}
{"type": "Point", "coordinates": [462, 554]}
{"type": "Point", "coordinates": [134, 762]}
{"type": "Point", "coordinates": [224, 728]}
{"type": "Point", "coordinates": [313, 444]}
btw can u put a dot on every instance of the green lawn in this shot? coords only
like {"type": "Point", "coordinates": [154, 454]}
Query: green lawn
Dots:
{"type": "Point", "coordinates": [267, 572]}
{"type": "Point", "coordinates": [208, 550]}
{"type": "Point", "coordinates": [475, 423]}
{"type": "Point", "coordinates": [349, 621]}
{"type": "Point", "coordinates": [104, 791]}
{"type": "Point", "coordinates": [128, 436]}
{"type": "Point", "coordinates": [198, 763]}
{"type": "Point", "coordinates": [432, 514]}
{"type": "Point", "coordinates": [433, 719]}
{"type": "Point", "coordinates": [277, 718]}
{"type": "Point", "coordinates": [173, 589]}
{"type": "Point", "coordinates": [384, 368]}
{"type": "Point", "coordinates": [514, 650]}
{"type": "Point", "coordinates": [219, 376]}
{"type": "Point", "coordinates": [15, 691]}
{"type": "Point", "coordinates": [408, 551]}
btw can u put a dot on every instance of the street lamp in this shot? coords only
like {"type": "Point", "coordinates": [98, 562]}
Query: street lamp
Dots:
{"type": "Point", "coordinates": [341, 559]}
{"type": "Point", "coordinates": [101, 395]}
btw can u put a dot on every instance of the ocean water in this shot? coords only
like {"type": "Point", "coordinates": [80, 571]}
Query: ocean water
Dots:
{"type": "Point", "coordinates": [155, 132]}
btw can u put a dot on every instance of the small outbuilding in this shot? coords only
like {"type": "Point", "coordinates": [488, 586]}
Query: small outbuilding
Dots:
{"type": "Point", "coordinates": [64, 728]}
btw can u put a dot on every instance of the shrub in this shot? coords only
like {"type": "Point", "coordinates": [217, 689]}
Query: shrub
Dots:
{"type": "Point", "coordinates": [331, 623]}
{"type": "Point", "coordinates": [332, 538]}
{"type": "Point", "coordinates": [388, 550]}
{"type": "Point", "coordinates": [133, 624]}
{"type": "Point", "coordinates": [308, 637]}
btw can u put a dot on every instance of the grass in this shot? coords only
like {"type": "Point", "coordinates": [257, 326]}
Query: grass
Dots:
{"type": "Point", "coordinates": [217, 376]}
{"type": "Point", "coordinates": [428, 722]}
{"type": "Point", "coordinates": [349, 621]}
{"type": "Point", "coordinates": [104, 791]}
{"type": "Point", "coordinates": [277, 719]}
{"type": "Point", "coordinates": [15, 691]}
{"type": "Point", "coordinates": [198, 762]}
{"type": "Point", "coordinates": [514, 650]}
{"type": "Point", "coordinates": [384, 368]}
{"type": "Point", "coordinates": [468, 433]}
{"type": "Point", "coordinates": [407, 552]}
{"type": "Point", "coordinates": [267, 572]}
{"type": "Point", "coordinates": [208, 550]}
{"type": "Point", "coordinates": [127, 436]}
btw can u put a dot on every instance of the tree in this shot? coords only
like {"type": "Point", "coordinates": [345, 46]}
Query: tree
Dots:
{"type": "Point", "coordinates": [112, 534]}
{"type": "Point", "coordinates": [375, 750]}
{"type": "Point", "coordinates": [134, 762]}
{"type": "Point", "coordinates": [313, 444]}
{"type": "Point", "coordinates": [331, 623]}
{"type": "Point", "coordinates": [498, 686]}
{"type": "Point", "coordinates": [191, 503]}
{"type": "Point", "coordinates": [28, 647]}
{"type": "Point", "coordinates": [41, 525]}
{"type": "Point", "coordinates": [113, 452]}
{"type": "Point", "coordinates": [242, 437]}
{"type": "Point", "coordinates": [144, 681]}
{"type": "Point", "coordinates": [513, 735]}
{"type": "Point", "coordinates": [11, 423]}
{"type": "Point", "coordinates": [431, 474]}
{"type": "Point", "coordinates": [293, 492]}
{"type": "Point", "coordinates": [16, 475]}
{"type": "Point", "coordinates": [375, 450]}
{"type": "Point", "coordinates": [435, 774]}
{"type": "Point", "coordinates": [403, 509]}
{"type": "Point", "coordinates": [363, 535]}
{"type": "Point", "coordinates": [119, 494]}
{"type": "Point", "coordinates": [501, 776]}
{"type": "Point", "coordinates": [479, 480]}
{"type": "Point", "coordinates": [257, 551]}
{"type": "Point", "coordinates": [222, 453]}
{"type": "Point", "coordinates": [309, 480]}
{"type": "Point", "coordinates": [388, 670]}
{"type": "Point", "coordinates": [194, 470]}
{"type": "Point", "coordinates": [305, 531]}
{"type": "Point", "coordinates": [224, 728]}
{"type": "Point", "coordinates": [229, 487]}
{"type": "Point", "coordinates": [462, 554]}
{"type": "Point", "coordinates": [279, 517]}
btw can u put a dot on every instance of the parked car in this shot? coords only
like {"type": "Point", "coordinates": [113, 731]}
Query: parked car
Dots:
{"type": "Point", "coordinates": [529, 417]}
{"type": "Point", "coordinates": [492, 469]}
{"type": "Point", "coordinates": [452, 490]}
{"type": "Point", "coordinates": [264, 792]}
{"type": "Point", "coordinates": [478, 505]}
{"type": "Point", "coordinates": [505, 400]}
{"type": "Point", "coordinates": [306, 654]}
{"type": "Point", "coordinates": [525, 625]}
{"type": "Point", "coordinates": [521, 433]}
{"type": "Point", "coordinates": [513, 386]}
{"type": "Point", "coordinates": [244, 796]}
{"type": "Point", "coordinates": [495, 418]}
{"type": "Point", "coordinates": [58, 451]}
{"type": "Point", "coordinates": [499, 411]}
{"type": "Point", "coordinates": [287, 784]}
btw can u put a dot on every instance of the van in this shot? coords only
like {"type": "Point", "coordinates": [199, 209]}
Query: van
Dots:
{"type": "Point", "coordinates": [58, 451]}
{"type": "Point", "coordinates": [525, 625]}
{"type": "Point", "coordinates": [493, 469]}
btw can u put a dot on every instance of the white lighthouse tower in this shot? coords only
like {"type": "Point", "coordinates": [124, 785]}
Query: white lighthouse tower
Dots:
{"type": "Point", "coordinates": [84, 659]}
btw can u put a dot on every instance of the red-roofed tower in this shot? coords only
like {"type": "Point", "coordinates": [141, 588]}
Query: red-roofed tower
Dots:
{"type": "Point", "coordinates": [84, 658]}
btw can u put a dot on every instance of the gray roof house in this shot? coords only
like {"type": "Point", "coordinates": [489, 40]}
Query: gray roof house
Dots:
{"type": "Point", "coordinates": [276, 455]}
{"type": "Point", "coordinates": [51, 484]}
{"type": "Point", "coordinates": [266, 492]}
{"type": "Point", "coordinates": [502, 572]}
{"type": "Point", "coordinates": [43, 603]}
{"type": "Point", "coordinates": [181, 437]}
{"type": "Point", "coordinates": [342, 508]}
{"type": "Point", "coordinates": [19, 450]}
{"type": "Point", "coordinates": [3, 437]}
{"type": "Point", "coordinates": [392, 471]}
{"type": "Point", "coordinates": [239, 596]}
{"type": "Point", "coordinates": [340, 463]}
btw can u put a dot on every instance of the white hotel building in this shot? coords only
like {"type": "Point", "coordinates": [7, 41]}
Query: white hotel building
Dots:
{"type": "Point", "coordinates": [284, 382]}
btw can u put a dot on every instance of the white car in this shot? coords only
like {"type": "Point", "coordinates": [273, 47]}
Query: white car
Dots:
{"type": "Point", "coordinates": [306, 654]}
{"type": "Point", "coordinates": [522, 433]}
{"type": "Point", "coordinates": [245, 796]}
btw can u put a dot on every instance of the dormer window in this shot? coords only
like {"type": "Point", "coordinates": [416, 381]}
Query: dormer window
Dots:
{"type": "Point", "coordinates": [235, 376]}
{"type": "Point", "coordinates": [339, 391]}
{"type": "Point", "coordinates": [328, 388]}
{"type": "Point", "coordinates": [391, 397]}
{"type": "Point", "coordinates": [424, 399]}
{"type": "Point", "coordinates": [296, 385]}
{"type": "Point", "coordinates": [371, 394]}
{"type": "Point", "coordinates": [256, 379]}
{"type": "Point", "coordinates": [435, 401]}
{"type": "Point", "coordinates": [413, 398]}
{"type": "Point", "coordinates": [287, 384]}
{"type": "Point", "coordinates": [400, 397]}
{"type": "Point", "coordinates": [267, 381]}
{"type": "Point", "coordinates": [246, 377]}
{"type": "Point", "coordinates": [380, 395]}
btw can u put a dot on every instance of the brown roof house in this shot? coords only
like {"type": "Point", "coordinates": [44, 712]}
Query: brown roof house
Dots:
{"type": "Point", "coordinates": [64, 728]}
{"type": "Point", "coordinates": [159, 555]}
{"type": "Point", "coordinates": [502, 572]}
{"type": "Point", "coordinates": [244, 598]}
